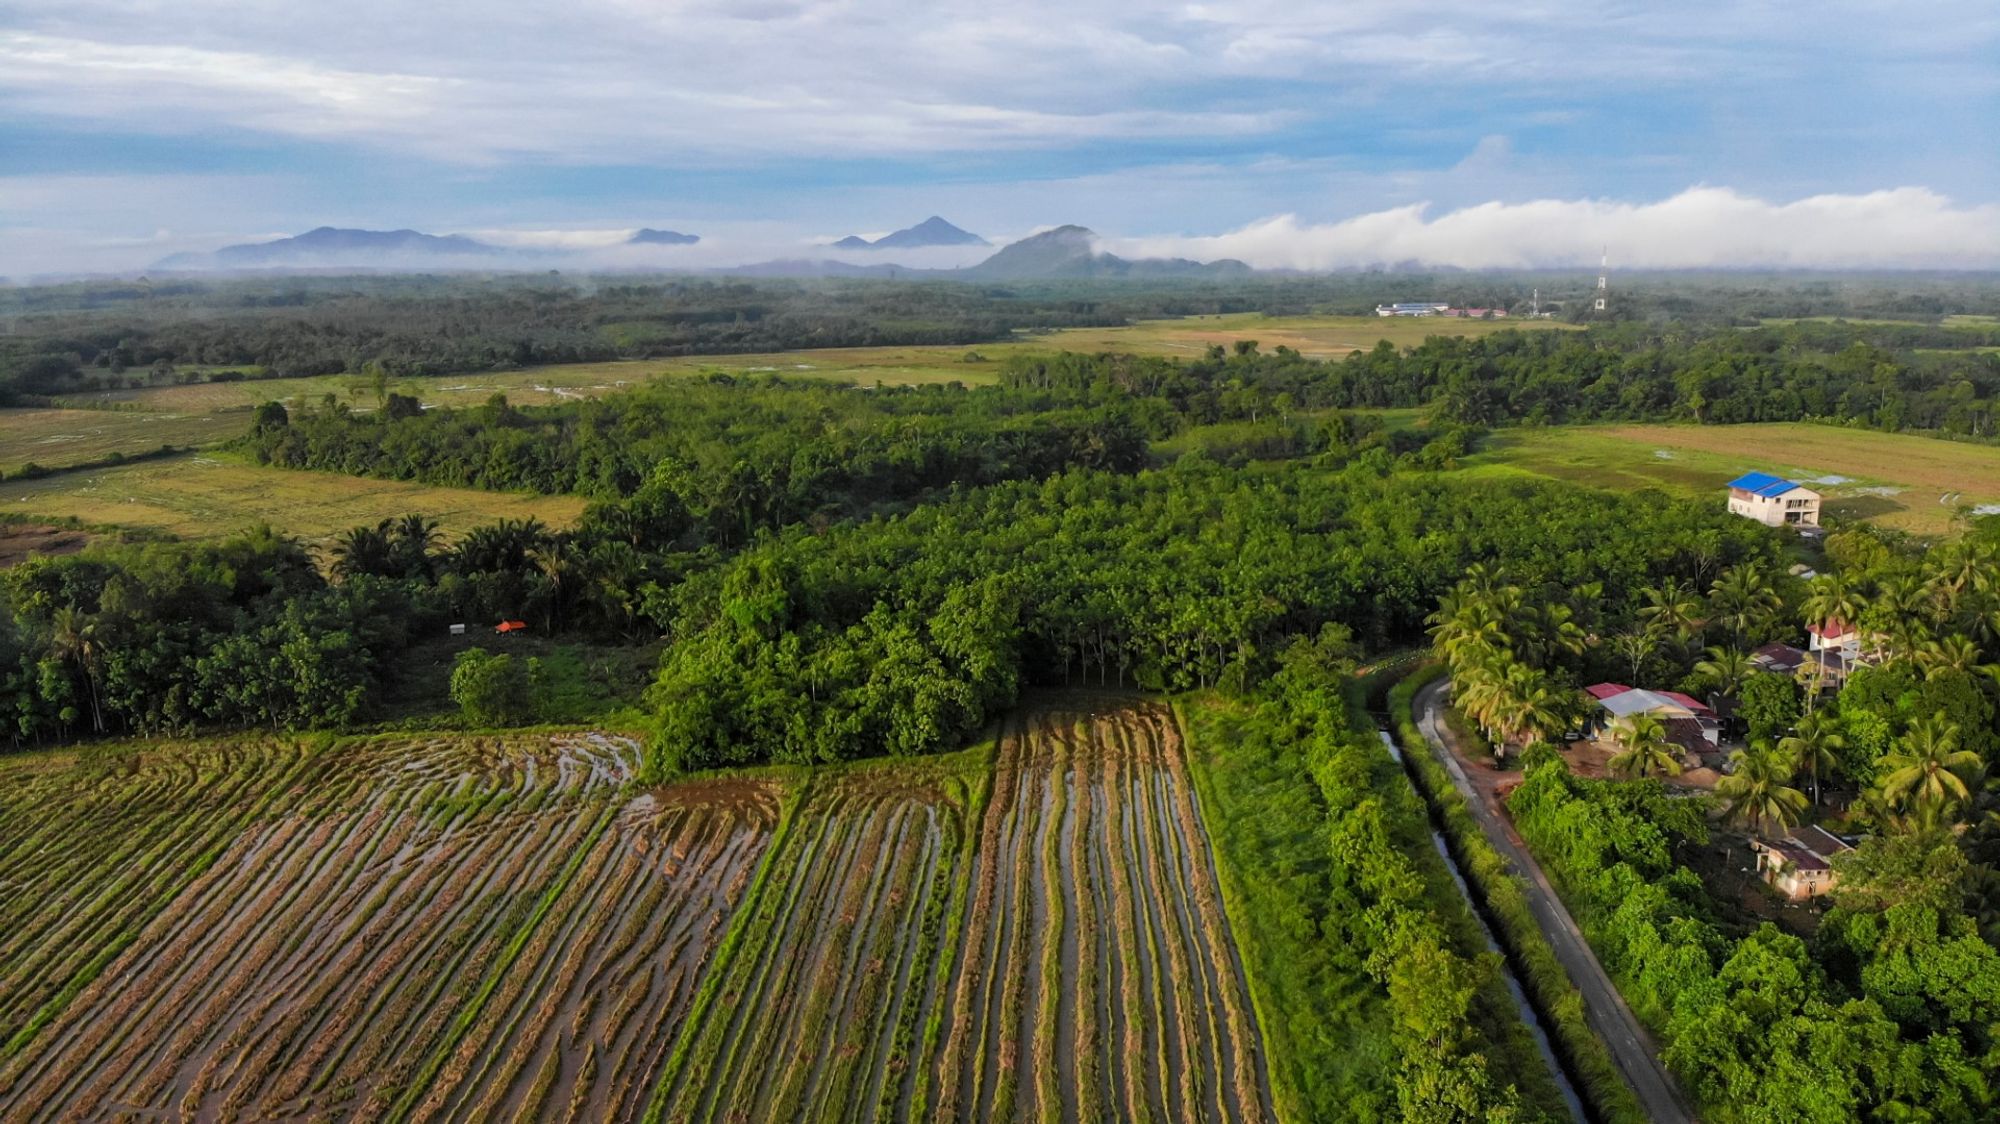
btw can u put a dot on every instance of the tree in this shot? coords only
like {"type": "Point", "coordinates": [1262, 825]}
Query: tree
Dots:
{"type": "Point", "coordinates": [1636, 646]}
{"type": "Point", "coordinates": [1727, 669]}
{"type": "Point", "coordinates": [495, 690]}
{"type": "Point", "coordinates": [364, 550]}
{"type": "Point", "coordinates": [1672, 608]}
{"type": "Point", "coordinates": [1757, 791]}
{"type": "Point", "coordinates": [1928, 776]}
{"type": "Point", "coordinates": [1745, 601]}
{"type": "Point", "coordinates": [1813, 746]}
{"type": "Point", "coordinates": [1644, 749]}
{"type": "Point", "coordinates": [1832, 598]}
{"type": "Point", "coordinates": [1769, 705]}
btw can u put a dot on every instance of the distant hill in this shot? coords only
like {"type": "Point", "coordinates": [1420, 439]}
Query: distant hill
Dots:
{"type": "Point", "coordinates": [1070, 251]}
{"type": "Point", "coordinates": [933, 231]}
{"type": "Point", "coordinates": [334, 246]}
{"type": "Point", "coordinates": [651, 237]}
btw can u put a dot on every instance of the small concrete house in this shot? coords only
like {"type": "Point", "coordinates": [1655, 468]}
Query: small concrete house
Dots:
{"type": "Point", "coordinates": [1800, 865]}
{"type": "Point", "coordinates": [1690, 724]}
{"type": "Point", "coordinates": [1773, 501]}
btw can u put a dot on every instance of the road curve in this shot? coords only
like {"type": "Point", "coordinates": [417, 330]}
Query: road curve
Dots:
{"type": "Point", "coordinates": [1604, 1008]}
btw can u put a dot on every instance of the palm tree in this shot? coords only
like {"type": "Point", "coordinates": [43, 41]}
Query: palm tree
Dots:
{"type": "Point", "coordinates": [416, 539]}
{"type": "Point", "coordinates": [1744, 600]}
{"type": "Point", "coordinates": [1928, 774]}
{"type": "Point", "coordinates": [1645, 751]}
{"type": "Point", "coordinates": [73, 639]}
{"type": "Point", "coordinates": [1757, 794]}
{"type": "Point", "coordinates": [1898, 618]}
{"type": "Point", "coordinates": [1814, 746]}
{"type": "Point", "coordinates": [1672, 607]}
{"type": "Point", "coordinates": [1830, 599]}
{"type": "Point", "coordinates": [1954, 652]}
{"type": "Point", "coordinates": [1728, 667]}
{"type": "Point", "coordinates": [363, 550]}
{"type": "Point", "coordinates": [1528, 708]}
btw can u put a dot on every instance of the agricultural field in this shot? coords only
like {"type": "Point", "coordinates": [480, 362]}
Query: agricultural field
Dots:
{"type": "Point", "coordinates": [470, 928]}
{"type": "Point", "coordinates": [198, 496]}
{"type": "Point", "coordinates": [442, 929]}
{"type": "Point", "coordinates": [1904, 481]}
{"type": "Point", "coordinates": [62, 438]}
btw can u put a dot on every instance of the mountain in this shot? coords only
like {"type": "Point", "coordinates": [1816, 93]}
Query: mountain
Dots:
{"type": "Point", "coordinates": [334, 246]}
{"type": "Point", "coordinates": [1071, 251]}
{"type": "Point", "coordinates": [651, 237]}
{"type": "Point", "coordinates": [933, 231]}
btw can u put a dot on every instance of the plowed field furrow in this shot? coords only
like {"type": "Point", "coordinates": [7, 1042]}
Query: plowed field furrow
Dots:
{"type": "Point", "coordinates": [1099, 981]}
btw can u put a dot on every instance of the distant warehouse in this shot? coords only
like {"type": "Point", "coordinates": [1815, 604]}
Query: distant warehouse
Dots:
{"type": "Point", "coordinates": [1413, 308]}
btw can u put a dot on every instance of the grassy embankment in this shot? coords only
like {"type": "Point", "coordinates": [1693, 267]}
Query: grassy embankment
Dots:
{"type": "Point", "coordinates": [1504, 896]}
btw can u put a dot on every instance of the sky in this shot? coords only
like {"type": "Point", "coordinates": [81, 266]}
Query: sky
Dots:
{"type": "Point", "coordinates": [1285, 133]}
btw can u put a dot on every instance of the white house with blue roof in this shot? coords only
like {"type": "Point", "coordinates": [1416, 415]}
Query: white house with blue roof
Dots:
{"type": "Point", "coordinates": [1773, 500]}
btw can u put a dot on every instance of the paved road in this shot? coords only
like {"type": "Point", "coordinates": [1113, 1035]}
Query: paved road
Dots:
{"type": "Point", "coordinates": [1605, 1009]}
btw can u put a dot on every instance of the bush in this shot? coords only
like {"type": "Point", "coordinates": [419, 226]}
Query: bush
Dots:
{"type": "Point", "coordinates": [496, 690]}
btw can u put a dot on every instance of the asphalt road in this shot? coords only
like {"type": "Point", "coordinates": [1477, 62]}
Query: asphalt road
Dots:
{"type": "Point", "coordinates": [1604, 1008]}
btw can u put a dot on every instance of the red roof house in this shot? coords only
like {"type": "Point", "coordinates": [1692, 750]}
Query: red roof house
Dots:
{"type": "Point", "coordinates": [511, 626]}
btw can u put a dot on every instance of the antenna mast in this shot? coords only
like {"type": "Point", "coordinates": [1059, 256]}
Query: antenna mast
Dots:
{"type": "Point", "coordinates": [1603, 279]}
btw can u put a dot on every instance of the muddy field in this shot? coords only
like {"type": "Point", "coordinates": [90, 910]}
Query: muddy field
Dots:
{"type": "Point", "coordinates": [494, 929]}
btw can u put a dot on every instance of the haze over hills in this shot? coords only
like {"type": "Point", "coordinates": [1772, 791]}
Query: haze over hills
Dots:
{"type": "Point", "coordinates": [933, 231]}
{"type": "Point", "coordinates": [1067, 251]}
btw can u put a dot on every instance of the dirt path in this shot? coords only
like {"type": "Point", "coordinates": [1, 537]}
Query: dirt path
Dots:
{"type": "Point", "coordinates": [1631, 1048]}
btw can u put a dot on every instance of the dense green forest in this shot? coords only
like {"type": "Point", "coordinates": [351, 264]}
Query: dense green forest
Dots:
{"type": "Point", "coordinates": [97, 335]}
{"type": "Point", "coordinates": [773, 449]}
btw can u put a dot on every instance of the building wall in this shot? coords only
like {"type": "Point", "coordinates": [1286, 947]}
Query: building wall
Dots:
{"type": "Point", "coordinates": [1798, 507]}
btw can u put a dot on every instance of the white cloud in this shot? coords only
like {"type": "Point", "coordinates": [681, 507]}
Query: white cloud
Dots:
{"type": "Point", "coordinates": [1703, 227]}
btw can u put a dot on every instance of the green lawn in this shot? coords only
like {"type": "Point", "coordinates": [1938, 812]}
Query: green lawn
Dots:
{"type": "Point", "coordinates": [61, 438]}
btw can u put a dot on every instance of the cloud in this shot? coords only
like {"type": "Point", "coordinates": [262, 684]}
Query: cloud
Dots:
{"type": "Point", "coordinates": [1702, 227]}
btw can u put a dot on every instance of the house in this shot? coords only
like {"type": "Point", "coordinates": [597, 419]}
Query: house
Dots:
{"type": "Point", "coordinates": [1836, 636]}
{"type": "Point", "coordinates": [1773, 500]}
{"type": "Point", "coordinates": [1800, 865]}
{"type": "Point", "coordinates": [505, 627]}
{"type": "Point", "coordinates": [1411, 308]}
{"type": "Point", "coordinates": [1691, 725]}
{"type": "Point", "coordinates": [1827, 665]}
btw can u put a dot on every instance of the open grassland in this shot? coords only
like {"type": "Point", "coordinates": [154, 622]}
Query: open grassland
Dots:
{"type": "Point", "coordinates": [1904, 481]}
{"type": "Point", "coordinates": [62, 438]}
{"type": "Point", "coordinates": [446, 929]}
{"type": "Point", "coordinates": [1318, 336]}
{"type": "Point", "coordinates": [196, 497]}
{"type": "Point", "coordinates": [481, 928]}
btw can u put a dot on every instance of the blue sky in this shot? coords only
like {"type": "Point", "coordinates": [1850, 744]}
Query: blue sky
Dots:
{"type": "Point", "coordinates": [132, 128]}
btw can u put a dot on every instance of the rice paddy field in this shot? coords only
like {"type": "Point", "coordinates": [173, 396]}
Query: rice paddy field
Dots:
{"type": "Point", "coordinates": [473, 928]}
{"type": "Point", "coordinates": [64, 438]}
{"type": "Point", "coordinates": [1908, 482]}
{"type": "Point", "coordinates": [198, 496]}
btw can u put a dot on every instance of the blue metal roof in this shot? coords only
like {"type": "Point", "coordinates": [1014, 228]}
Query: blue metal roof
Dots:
{"type": "Point", "coordinates": [1763, 484]}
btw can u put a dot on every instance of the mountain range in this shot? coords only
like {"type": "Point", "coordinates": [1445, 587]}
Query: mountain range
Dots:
{"type": "Point", "coordinates": [1064, 252]}
{"type": "Point", "coordinates": [933, 231]}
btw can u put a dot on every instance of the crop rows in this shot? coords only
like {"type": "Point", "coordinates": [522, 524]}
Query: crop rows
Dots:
{"type": "Point", "coordinates": [501, 929]}
{"type": "Point", "coordinates": [1097, 978]}
{"type": "Point", "coordinates": [376, 918]}
{"type": "Point", "coordinates": [820, 1009]}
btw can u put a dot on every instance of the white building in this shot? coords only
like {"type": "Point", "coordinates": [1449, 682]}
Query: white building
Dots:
{"type": "Point", "coordinates": [1411, 308]}
{"type": "Point", "coordinates": [1801, 864]}
{"type": "Point", "coordinates": [1773, 501]}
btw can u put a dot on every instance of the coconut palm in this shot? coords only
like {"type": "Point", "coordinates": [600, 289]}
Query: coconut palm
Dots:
{"type": "Point", "coordinates": [1928, 775]}
{"type": "Point", "coordinates": [1528, 708]}
{"type": "Point", "coordinates": [73, 640]}
{"type": "Point", "coordinates": [1744, 600]}
{"type": "Point", "coordinates": [1672, 607]}
{"type": "Point", "coordinates": [1644, 749]}
{"type": "Point", "coordinates": [1954, 653]}
{"type": "Point", "coordinates": [1831, 598]}
{"type": "Point", "coordinates": [1814, 747]}
{"type": "Point", "coordinates": [1727, 667]}
{"type": "Point", "coordinates": [416, 539]}
{"type": "Point", "coordinates": [1757, 792]}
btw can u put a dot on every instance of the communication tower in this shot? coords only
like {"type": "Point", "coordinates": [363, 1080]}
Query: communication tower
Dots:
{"type": "Point", "coordinates": [1603, 280]}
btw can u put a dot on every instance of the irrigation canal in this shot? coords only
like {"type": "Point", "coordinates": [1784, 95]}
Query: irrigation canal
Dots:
{"type": "Point", "coordinates": [1528, 1013]}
